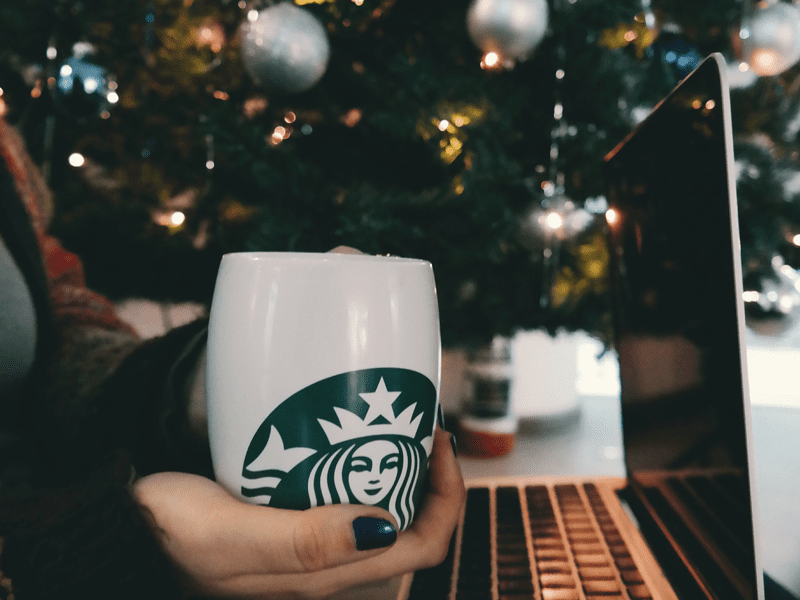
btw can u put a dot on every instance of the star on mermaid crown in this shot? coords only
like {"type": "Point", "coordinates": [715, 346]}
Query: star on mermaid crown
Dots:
{"type": "Point", "coordinates": [351, 426]}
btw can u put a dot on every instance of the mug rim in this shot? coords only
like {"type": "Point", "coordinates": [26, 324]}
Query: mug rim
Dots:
{"type": "Point", "coordinates": [321, 257]}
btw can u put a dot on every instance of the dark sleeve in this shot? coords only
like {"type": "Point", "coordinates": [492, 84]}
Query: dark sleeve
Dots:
{"type": "Point", "coordinates": [149, 392]}
{"type": "Point", "coordinates": [99, 409]}
{"type": "Point", "coordinates": [70, 525]}
{"type": "Point", "coordinates": [139, 406]}
{"type": "Point", "coordinates": [78, 533]}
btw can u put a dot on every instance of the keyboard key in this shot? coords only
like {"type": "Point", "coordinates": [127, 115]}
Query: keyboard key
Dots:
{"type": "Point", "coordinates": [553, 566]}
{"type": "Point", "coordinates": [603, 597]}
{"type": "Point", "coordinates": [601, 587]}
{"type": "Point", "coordinates": [586, 548]}
{"type": "Point", "coordinates": [516, 547]}
{"type": "Point", "coordinates": [579, 518]}
{"type": "Point", "coordinates": [557, 580]}
{"type": "Point", "coordinates": [619, 550]}
{"type": "Point", "coordinates": [596, 573]}
{"type": "Point", "coordinates": [591, 560]}
{"type": "Point", "coordinates": [515, 586]}
{"type": "Point", "coordinates": [631, 576]}
{"type": "Point", "coordinates": [560, 594]}
{"type": "Point", "coordinates": [639, 592]}
{"type": "Point", "coordinates": [545, 531]}
{"type": "Point", "coordinates": [512, 559]}
{"type": "Point", "coordinates": [513, 571]}
{"type": "Point", "coordinates": [624, 562]}
{"type": "Point", "coordinates": [584, 535]}
{"type": "Point", "coordinates": [551, 553]}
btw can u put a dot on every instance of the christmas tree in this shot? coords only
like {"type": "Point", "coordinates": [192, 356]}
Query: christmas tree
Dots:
{"type": "Point", "coordinates": [467, 133]}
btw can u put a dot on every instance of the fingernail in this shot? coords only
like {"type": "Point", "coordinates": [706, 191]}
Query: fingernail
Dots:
{"type": "Point", "coordinates": [454, 444]}
{"type": "Point", "coordinates": [371, 533]}
{"type": "Point", "coordinates": [441, 417]}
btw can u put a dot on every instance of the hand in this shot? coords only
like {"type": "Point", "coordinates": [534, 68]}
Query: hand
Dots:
{"type": "Point", "coordinates": [227, 547]}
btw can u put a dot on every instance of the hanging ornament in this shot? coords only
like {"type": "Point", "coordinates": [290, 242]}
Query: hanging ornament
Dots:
{"type": "Point", "coordinates": [82, 89]}
{"type": "Point", "coordinates": [740, 75]}
{"type": "Point", "coordinates": [510, 28]}
{"type": "Point", "coordinates": [284, 48]}
{"type": "Point", "coordinates": [771, 37]}
{"type": "Point", "coordinates": [772, 300]}
{"type": "Point", "coordinates": [677, 53]}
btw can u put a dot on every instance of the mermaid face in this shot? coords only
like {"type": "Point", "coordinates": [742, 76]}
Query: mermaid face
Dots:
{"type": "Point", "coordinates": [373, 471]}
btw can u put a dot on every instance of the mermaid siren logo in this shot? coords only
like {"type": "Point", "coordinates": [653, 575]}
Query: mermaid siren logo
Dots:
{"type": "Point", "coordinates": [367, 440]}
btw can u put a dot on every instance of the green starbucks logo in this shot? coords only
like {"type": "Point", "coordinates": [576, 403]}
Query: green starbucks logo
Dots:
{"type": "Point", "coordinates": [366, 440]}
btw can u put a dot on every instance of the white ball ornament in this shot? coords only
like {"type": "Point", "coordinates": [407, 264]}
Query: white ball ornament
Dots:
{"type": "Point", "coordinates": [771, 37]}
{"type": "Point", "coordinates": [284, 48]}
{"type": "Point", "coordinates": [511, 28]}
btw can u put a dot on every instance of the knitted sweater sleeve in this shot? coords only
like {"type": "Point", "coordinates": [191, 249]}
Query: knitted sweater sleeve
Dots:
{"type": "Point", "coordinates": [110, 409]}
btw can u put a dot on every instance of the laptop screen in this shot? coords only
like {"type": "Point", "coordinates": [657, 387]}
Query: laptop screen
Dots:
{"type": "Point", "coordinates": [676, 282]}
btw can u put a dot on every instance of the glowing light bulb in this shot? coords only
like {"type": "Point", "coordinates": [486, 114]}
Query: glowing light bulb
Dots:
{"type": "Point", "coordinates": [65, 71]}
{"type": "Point", "coordinates": [443, 125]}
{"type": "Point", "coordinates": [612, 216]}
{"type": "Point", "coordinates": [112, 97]}
{"type": "Point", "coordinates": [177, 218]}
{"type": "Point", "coordinates": [554, 220]}
{"type": "Point", "coordinates": [491, 59]}
{"type": "Point", "coordinates": [76, 159]}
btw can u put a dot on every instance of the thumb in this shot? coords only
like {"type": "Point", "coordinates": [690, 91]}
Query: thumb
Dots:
{"type": "Point", "coordinates": [318, 538]}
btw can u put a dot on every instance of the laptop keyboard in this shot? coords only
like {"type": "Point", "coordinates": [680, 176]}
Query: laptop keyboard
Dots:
{"type": "Point", "coordinates": [550, 543]}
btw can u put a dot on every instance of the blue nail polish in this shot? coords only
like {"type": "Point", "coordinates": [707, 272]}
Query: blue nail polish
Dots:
{"type": "Point", "coordinates": [371, 533]}
{"type": "Point", "coordinates": [454, 444]}
{"type": "Point", "coordinates": [441, 417]}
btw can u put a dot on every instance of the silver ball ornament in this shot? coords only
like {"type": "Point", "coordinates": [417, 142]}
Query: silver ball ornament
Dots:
{"type": "Point", "coordinates": [285, 49]}
{"type": "Point", "coordinates": [511, 28]}
{"type": "Point", "coordinates": [771, 37]}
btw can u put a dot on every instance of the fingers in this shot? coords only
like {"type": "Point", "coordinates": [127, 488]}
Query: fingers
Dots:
{"type": "Point", "coordinates": [423, 545]}
{"type": "Point", "coordinates": [432, 529]}
{"type": "Point", "coordinates": [345, 250]}
{"type": "Point", "coordinates": [228, 547]}
{"type": "Point", "coordinates": [194, 515]}
{"type": "Point", "coordinates": [316, 539]}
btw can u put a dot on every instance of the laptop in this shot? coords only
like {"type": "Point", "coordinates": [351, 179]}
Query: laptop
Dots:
{"type": "Point", "coordinates": [681, 523]}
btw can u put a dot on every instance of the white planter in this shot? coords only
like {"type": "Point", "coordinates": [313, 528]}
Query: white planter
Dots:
{"type": "Point", "coordinates": [545, 374]}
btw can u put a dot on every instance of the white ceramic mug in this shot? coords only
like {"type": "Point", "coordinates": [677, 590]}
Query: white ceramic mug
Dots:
{"type": "Point", "coordinates": [323, 379]}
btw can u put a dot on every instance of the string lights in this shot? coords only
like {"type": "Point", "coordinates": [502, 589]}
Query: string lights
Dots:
{"type": "Point", "coordinates": [553, 188]}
